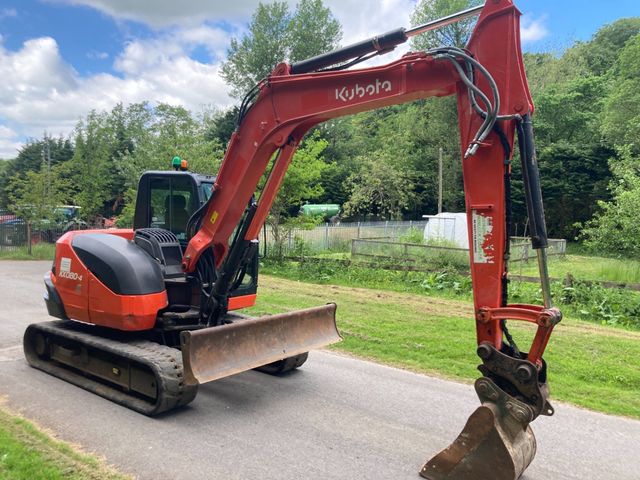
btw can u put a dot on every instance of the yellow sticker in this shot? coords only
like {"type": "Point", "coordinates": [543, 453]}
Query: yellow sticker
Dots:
{"type": "Point", "coordinates": [214, 217]}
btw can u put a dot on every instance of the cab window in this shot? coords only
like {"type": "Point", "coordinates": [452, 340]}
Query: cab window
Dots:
{"type": "Point", "coordinates": [171, 204]}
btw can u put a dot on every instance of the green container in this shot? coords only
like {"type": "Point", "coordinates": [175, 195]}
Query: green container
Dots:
{"type": "Point", "coordinates": [326, 210]}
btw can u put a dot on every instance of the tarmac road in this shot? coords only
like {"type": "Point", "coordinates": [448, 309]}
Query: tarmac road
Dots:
{"type": "Point", "coordinates": [335, 418]}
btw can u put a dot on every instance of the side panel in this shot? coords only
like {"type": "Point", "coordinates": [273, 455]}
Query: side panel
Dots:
{"type": "Point", "coordinates": [88, 300]}
{"type": "Point", "coordinates": [123, 312]}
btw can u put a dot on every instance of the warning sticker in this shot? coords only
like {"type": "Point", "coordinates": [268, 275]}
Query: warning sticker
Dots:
{"type": "Point", "coordinates": [65, 264]}
{"type": "Point", "coordinates": [482, 228]}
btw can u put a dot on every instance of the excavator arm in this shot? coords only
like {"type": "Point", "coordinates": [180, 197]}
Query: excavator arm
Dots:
{"type": "Point", "coordinates": [494, 104]}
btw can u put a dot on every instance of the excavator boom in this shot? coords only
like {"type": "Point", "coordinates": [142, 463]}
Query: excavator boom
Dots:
{"type": "Point", "coordinates": [494, 102]}
{"type": "Point", "coordinates": [136, 296]}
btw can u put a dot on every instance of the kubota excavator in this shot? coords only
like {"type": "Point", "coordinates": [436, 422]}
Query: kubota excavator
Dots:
{"type": "Point", "coordinates": [146, 314]}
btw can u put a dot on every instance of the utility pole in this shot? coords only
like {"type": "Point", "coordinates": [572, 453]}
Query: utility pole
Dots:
{"type": "Point", "coordinates": [48, 166]}
{"type": "Point", "coordinates": [440, 180]}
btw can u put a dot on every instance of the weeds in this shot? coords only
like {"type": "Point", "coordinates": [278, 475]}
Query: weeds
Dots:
{"type": "Point", "coordinates": [584, 300]}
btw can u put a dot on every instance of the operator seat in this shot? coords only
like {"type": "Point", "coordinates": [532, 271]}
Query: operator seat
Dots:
{"type": "Point", "coordinates": [175, 211]}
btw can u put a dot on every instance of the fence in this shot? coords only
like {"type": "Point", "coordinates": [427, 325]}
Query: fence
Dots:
{"type": "Point", "coordinates": [16, 233]}
{"type": "Point", "coordinates": [368, 249]}
{"type": "Point", "coordinates": [409, 253]}
{"type": "Point", "coordinates": [338, 237]}
{"type": "Point", "coordinates": [522, 251]}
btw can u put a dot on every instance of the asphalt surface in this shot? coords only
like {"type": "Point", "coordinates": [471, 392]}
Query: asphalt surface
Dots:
{"type": "Point", "coordinates": [335, 418]}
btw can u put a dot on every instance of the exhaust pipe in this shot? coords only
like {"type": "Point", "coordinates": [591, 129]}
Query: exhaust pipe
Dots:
{"type": "Point", "coordinates": [218, 352]}
{"type": "Point", "coordinates": [497, 442]}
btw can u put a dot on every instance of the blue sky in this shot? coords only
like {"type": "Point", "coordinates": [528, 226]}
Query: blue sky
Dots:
{"type": "Point", "coordinates": [65, 57]}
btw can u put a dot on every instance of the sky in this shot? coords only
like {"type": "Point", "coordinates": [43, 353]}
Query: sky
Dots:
{"type": "Point", "coordinates": [61, 58]}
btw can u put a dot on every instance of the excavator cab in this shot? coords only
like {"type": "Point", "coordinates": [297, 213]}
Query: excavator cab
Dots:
{"type": "Point", "coordinates": [167, 199]}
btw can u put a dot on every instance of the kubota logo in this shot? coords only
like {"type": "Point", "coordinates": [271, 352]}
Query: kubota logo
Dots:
{"type": "Point", "coordinates": [359, 91]}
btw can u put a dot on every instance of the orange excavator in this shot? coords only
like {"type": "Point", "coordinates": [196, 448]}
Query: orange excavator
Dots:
{"type": "Point", "coordinates": [146, 314]}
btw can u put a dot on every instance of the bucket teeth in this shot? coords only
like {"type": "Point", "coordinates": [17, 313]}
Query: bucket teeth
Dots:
{"type": "Point", "coordinates": [497, 442]}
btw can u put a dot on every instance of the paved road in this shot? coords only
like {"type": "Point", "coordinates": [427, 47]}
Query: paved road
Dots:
{"type": "Point", "coordinates": [336, 418]}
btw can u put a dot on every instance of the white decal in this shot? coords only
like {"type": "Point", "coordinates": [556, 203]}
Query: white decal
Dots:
{"type": "Point", "coordinates": [65, 264]}
{"type": "Point", "coordinates": [482, 229]}
{"type": "Point", "coordinates": [71, 276]}
{"type": "Point", "coordinates": [65, 270]}
{"type": "Point", "coordinates": [346, 94]}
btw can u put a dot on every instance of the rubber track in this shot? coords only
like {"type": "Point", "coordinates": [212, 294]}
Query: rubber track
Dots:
{"type": "Point", "coordinates": [164, 362]}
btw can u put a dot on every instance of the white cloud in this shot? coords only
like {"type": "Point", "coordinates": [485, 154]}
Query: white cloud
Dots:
{"type": "Point", "coordinates": [9, 142]}
{"type": "Point", "coordinates": [533, 29]}
{"type": "Point", "coordinates": [161, 13]}
{"type": "Point", "coordinates": [46, 93]}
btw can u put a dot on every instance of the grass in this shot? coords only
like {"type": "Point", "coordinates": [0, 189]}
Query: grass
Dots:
{"type": "Point", "coordinates": [590, 365]}
{"type": "Point", "coordinates": [585, 268]}
{"type": "Point", "coordinates": [27, 453]}
{"type": "Point", "coordinates": [39, 251]}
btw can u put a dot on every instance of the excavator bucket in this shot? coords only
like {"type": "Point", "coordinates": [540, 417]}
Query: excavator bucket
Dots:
{"type": "Point", "coordinates": [497, 442]}
{"type": "Point", "coordinates": [217, 352]}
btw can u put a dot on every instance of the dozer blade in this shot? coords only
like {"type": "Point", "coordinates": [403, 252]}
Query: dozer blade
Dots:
{"type": "Point", "coordinates": [217, 352]}
{"type": "Point", "coordinates": [497, 442]}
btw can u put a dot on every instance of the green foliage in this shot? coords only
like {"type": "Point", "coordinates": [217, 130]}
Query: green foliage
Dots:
{"type": "Point", "coordinates": [621, 123]}
{"type": "Point", "coordinates": [275, 35]}
{"type": "Point", "coordinates": [301, 183]}
{"type": "Point", "coordinates": [615, 228]}
{"type": "Point", "coordinates": [35, 195]}
{"type": "Point", "coordinates": [39, 251]}
{"type": "Point", "coordinates": [31, 157]}
{"type": "Point", "coordinates": [312, 30]}
{"type": "Point", "coordinates": [608, 42]}
{"type": "Point", "coordinates": [412, 235]}
{"type": "Point", "coordinates": [588, 301]}
{"type": "Point", "coordinates": [378, 190]}
{"type": "Point", "coordinates": [456, 34]}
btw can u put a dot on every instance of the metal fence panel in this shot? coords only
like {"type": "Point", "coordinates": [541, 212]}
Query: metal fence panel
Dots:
{"type": "Point", "coordinates": [337, 238]}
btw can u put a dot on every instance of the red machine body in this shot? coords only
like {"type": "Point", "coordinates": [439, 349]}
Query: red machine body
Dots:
{"type": "Point", "coordinates": [141, 281]}
{"type": "Point", "coordinates": [87, 299]}
{"type": "Point", "coordinates": [288, 105]}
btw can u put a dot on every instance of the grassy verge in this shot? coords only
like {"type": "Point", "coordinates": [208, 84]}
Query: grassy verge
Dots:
{"type": "Point", "coordinates": [27, 453]}
{"type": "Point", "coordinates": [590, 365]}
{"type": "Point", "coordinates": [585, 268]}
{"type": "Point", "coordinates": [40, 251]}
{"type": "Point", "coordinates": [619, 307]}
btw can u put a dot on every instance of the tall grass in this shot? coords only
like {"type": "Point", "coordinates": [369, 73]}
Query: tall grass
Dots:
{"type": "Point", "coordinates": [39, 251]}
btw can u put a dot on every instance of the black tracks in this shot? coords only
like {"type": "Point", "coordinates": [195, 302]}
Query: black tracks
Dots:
{"type": "Point", "coordinates": [70, 351]}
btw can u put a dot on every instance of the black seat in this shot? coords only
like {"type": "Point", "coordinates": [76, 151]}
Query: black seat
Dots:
{"type": "Point", "coordinates": [176, 212]}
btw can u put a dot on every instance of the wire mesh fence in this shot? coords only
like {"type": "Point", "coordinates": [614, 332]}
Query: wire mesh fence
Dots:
{"type": "Point", "coordinates": [522, 251]}
{"type": "Point", "coordinates": [385, 249]}
{"type": "Point", "coordinates": [337, 238]}
{"type": "Point", "coordinates": [16, 232]}
{"type": "Point", "coordinates": [413, 253]}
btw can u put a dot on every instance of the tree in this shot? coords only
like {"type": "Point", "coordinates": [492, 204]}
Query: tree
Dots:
{"type": "Point", "coordinates": [615, 229]}
{"type": "Point", "coordinates": [456, 35]}
{"type": "Point", "coordinates": [169, 131]}
{"type": "Point", "coordinates": [602, 52]}
{"type": "Point", "coordinates": [30, 158]}
{"type": "Point", "coordinates": [621, 123]}
{"type": "Point", "coordinates": [275, 36]}
{"type": "Point", "coordinates": [34, 197]}
{"type": "Point", "coordinates": [221, 125]}
{"type": "Point", "coordinates": [379, 190]}
{"type": "Point", "coordinates": [301, 183]}
{"type": "Point", "coordinates": [312, 30]}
